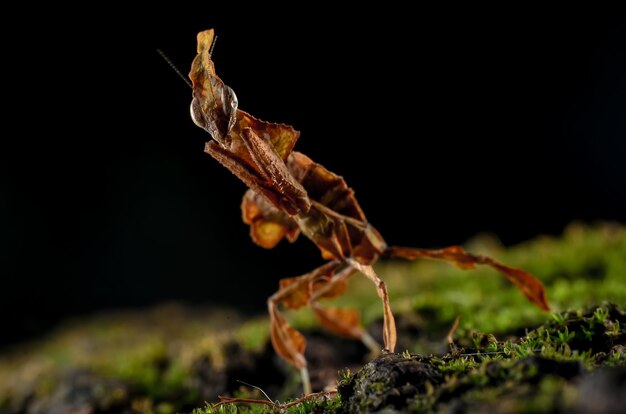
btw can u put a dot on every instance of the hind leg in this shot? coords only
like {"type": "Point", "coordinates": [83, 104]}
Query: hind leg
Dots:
{"type": "Point", "coordinates": [530, 286]}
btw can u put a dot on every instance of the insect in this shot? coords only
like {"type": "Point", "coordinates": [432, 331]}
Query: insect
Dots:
{"type": "Point", "coordinates": [290, 194]}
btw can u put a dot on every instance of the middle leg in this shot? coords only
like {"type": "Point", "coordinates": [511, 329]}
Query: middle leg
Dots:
{"type": "Point", "coordinates": [294, 293]}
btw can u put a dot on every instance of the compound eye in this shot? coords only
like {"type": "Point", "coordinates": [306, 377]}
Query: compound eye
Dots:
{"type": "Point", "coordinates": [196, 113]}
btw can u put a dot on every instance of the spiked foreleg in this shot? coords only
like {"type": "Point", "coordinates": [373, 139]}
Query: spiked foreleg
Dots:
{"type": "Point", "coordinates": [294, 197]}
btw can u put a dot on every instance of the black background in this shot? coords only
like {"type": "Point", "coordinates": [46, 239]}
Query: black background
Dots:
{"type": "Point", "coordinates": [446, 121]}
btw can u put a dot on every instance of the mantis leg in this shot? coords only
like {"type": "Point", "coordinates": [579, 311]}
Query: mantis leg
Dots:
{"type": "Point", "coordinates": [264, 156]}
{"type": "Point", "coordinates": [344, 322]}
{"type": "Point", "coordinates": [235, 165]}
{"type": "Point", "coordinates": [294, 293]}
{"type": "Point", "coordinates": [259, 181]}
{"type": "Point", "coordinates": [389, 323]}
{"type": "Point", "coordinates": [528, 284]}
{"type": "Point", "coordinates": [347, 322]}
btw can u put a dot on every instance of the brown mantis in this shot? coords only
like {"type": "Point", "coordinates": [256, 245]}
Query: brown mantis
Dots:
{"type": "Point", "coordinates": [290, 194]}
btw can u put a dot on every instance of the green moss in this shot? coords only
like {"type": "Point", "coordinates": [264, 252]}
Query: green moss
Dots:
{"type": "Point", "coordinates": [163, 360]}
{"type": "Point", "coordinates": [254, 334]}
{"type": "Point", "coordinates": [323, 404]}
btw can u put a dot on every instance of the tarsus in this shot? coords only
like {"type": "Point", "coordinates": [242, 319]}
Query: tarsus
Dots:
{"type": "Point", "coordinates": [258, 388]}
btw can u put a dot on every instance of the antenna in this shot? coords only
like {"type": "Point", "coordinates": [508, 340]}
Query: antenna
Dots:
{"type": "Point", "coordinates": [173, 66]}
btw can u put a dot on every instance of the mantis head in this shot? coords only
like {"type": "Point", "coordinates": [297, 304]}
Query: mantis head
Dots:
{"type": "Point", "coordinates": [214, 104]}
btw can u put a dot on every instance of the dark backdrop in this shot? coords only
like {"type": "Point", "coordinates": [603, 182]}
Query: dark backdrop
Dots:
{"type": "Point", "coordinates": [447, 122]}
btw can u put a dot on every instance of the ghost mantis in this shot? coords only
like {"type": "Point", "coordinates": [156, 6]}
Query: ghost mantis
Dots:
{"type": "Point", "coordinates": [290, 194]}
